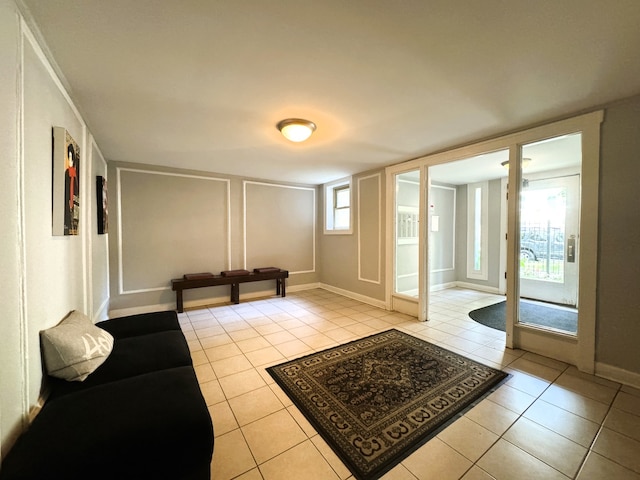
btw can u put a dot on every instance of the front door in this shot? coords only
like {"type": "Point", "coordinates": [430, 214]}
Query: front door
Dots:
{"type": "Point", "coordinates": [549, 213]}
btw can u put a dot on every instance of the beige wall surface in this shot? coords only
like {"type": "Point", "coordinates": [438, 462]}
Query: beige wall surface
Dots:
{"type": "Point", "coordinates": [618, 318]}
{"type": "Point", "coordinates": [168, 222]}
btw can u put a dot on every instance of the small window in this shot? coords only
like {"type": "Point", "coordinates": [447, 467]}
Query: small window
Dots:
{"type": "Point", "coordinates": [477, 230]}
{"type": "Point", "coordinates": [338, 207]}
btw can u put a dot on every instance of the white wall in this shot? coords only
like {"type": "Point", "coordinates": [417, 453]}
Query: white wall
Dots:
{"type": "Point", "coordinates": [43, 277]}
{"type": "Point", "coordinates": [12, 395]}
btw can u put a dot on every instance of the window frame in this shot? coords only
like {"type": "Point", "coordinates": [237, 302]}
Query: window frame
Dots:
{"type": "Point", "coordinates": [477, 216]}
{"type": "Point", "coordinates": [331, 191]}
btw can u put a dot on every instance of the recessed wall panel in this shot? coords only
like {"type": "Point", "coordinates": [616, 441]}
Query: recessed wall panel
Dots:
{"type": "Point", "coordinates": [170, 225]}
{"type": "Point", "coordinates": [369, 228]}
{"type": "Point", "coordinates": [279, 227]}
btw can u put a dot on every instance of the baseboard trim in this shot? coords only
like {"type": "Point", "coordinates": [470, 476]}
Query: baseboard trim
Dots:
{"type": "Point", "coordinates": [481, 288]}
{"type": "Point", "coordinates": [618, 374]}
{"type": "Point", "coordinates": [204, 302]}
{"type": "Point", "coordinates": [374, 302]}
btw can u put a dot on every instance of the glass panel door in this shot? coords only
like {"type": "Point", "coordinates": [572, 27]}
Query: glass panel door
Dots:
{"type": "Point", "coordinates": [549, 234]}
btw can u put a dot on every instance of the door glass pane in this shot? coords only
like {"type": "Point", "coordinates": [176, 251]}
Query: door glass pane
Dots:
{"type": "Point", "coordinates": [406, 233]}
{"type": "Point", "coordinates": [549, 233]}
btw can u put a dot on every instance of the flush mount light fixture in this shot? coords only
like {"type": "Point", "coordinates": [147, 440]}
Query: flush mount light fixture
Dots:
{"type": "Point", "coordinates": [525, 163]}
{"type": "Point", "coordinates": [296, 129]}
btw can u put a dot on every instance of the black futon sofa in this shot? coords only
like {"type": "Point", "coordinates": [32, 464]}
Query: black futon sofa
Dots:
{"type": "Point", "coordinates": [139, 415]}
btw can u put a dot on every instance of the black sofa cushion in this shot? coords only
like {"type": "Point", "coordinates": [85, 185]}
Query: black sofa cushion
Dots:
{"type": "Point", "coordinates": [131, 356]}
{"type": "Point", "coordinates": [141, 324]}
{"type": "Point", "coordinates": [155, 425]}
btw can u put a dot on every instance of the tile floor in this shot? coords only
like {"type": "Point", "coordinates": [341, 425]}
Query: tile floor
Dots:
{"type": "Point", "coordinates": [549, 421]}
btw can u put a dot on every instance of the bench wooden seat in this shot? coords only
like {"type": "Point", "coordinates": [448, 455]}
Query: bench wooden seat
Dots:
{"type": "Point", "coordinates": [203, 280]}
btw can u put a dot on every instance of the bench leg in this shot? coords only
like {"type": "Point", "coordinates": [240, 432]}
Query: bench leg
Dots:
{"type": "Point", "coordinates": [235, 293]}
{"type": "Point", "coordinates": [179, 304]}
{"type": "Point", "coordinates": [282, 286]}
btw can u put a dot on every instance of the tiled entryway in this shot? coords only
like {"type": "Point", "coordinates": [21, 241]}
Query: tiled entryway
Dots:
{"type": "Point", "coordinates": [549, 421]}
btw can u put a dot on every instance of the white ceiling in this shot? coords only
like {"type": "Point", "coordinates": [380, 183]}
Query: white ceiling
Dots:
{"type": "Point", "coordinates": [201, 84]}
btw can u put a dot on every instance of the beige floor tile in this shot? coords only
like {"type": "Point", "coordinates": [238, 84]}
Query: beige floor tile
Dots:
{"type": "Point", "coordinates": [252, 344]}
{"type": "Point", "coordinates": [575, 403]}
{"type": "Point", "coordinates": [360, 329]}
{"type": "Point", "coordinates": [279, 337]}
{"type": "Point", "coordinates": [265, 356]}
{"type": "Point", "coordinates": [573, 427]}
{"type": "Point", "coordinates": [303, 331]}
{"type": "Point", "coordinates": [536, 369]}
{"type": "Point", "coordinates": [268, 328]}
{"type": "Point", "coordinates": [293, 348]}
{"type": "Point", "coordinates": [273, 435]}
{"type": "Point", "coordinates": [628, 403]}
{"type": "Point", "coordinates": [231, 365]}
{"type": "Point", "coordinates": [301, 458]}
{"type": "Point", "coordinates": [399, 472]}
{"type": "Point", "coordinates": [476, 473]}
{"type": "Point", "coordinates": [492, 416]}
{"type": "Point", "coordinates": [204, 373]}
{"type": "Point", "coordinates": [553, 449]}
{"type": "Point", "coordinates": [512, 399]}
{"type": "Point", "coordinates": [216, 341]}
{"type": "Point", "coordinates": [623, 422]}
{"type": "Point", "coordinates": [250, 475]}
{"type": "Point", "coordinates": [224, 421]}
{"type": "Point", "coordinates": [241, 383]}
{"type": "Point", "coordinates": [526, 383]}
{"type": "Point", "coordinates": [340, 335]}
{"type": "Point", "coordinates": [587, 388]}
{"type": "Point", "coordinates": [598, 467]}
{"type": "Point", "coordinates": [319, 341]}
{"type": "Point", "coordinates": [247, 333]}
{"type": "Point", "coordinates": [438, 460]}
{"type": "Point", "coordinates": [255, 405]}
{"type": "Point", "coordinates": [619, 448]}
{"type": "Point", "coordinates": [223, 351]}
{"type": "Point", "coordinates": [505, 461]}
{"type": "Point", "coordinates": [549, 362]}
{"type": "Point", "coordinates": [301, 420]}
{"type": "Point", "coordinates": [631, 390]}
{"type": "Point", "coordinates": [501, 357]}
{"type": "Point", "coordinates": [572, 370]}
{"type": "Point", "coordinates": [231, 456]}
{"type": "Point", "coordinates": [331, 457]}
{"type": "Point", "coordinates": [212, 392]}
{"type": "Point", "coordinates": [284, 398]}
{"type": "Point", "coordinates": [235, 326]}
{"type": "Point", "coordinates": [199, 358]}
{"type": "Point", "coordinates": [209, 331]}
{"type": "Point", "coordinates": [468, 438]}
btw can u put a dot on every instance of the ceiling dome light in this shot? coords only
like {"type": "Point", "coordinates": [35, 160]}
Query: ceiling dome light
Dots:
{"type": "Point", "coordinates": [296, 129]}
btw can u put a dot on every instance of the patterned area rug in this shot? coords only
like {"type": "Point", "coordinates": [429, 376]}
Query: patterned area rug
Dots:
{"type": "Point", "coordinates": [377, 399]}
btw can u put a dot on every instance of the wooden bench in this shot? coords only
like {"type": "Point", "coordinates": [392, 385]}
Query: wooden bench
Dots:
{"type": "Point", "coordinates": [201, 281]}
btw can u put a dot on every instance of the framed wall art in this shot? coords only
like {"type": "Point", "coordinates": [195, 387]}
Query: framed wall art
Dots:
{"type": "Point", "coordinates": [66, 183]}
{"type": "Point", "coordinates": [103, 215]}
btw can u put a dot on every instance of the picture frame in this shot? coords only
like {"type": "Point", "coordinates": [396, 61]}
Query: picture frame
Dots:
{"type": "Point", "coordinates": [65, 190]}
{"type": "Point", "coordinates": [102, 205]}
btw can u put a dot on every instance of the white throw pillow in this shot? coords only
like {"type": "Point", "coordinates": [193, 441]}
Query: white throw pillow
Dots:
{"type": "Point", "coordinates": [75, 347]}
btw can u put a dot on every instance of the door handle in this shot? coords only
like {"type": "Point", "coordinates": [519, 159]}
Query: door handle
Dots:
{"type": "Point", "coordinates": [571, 249]}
